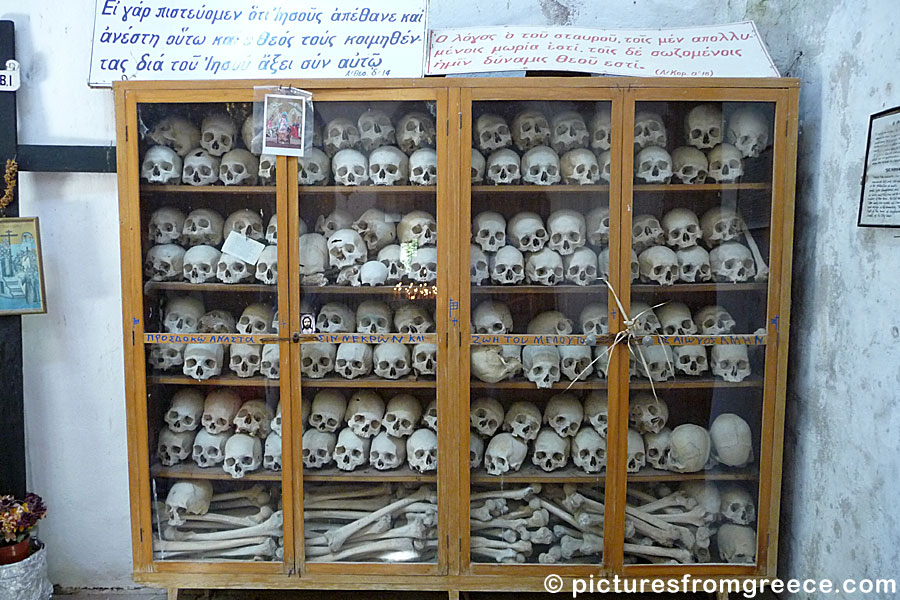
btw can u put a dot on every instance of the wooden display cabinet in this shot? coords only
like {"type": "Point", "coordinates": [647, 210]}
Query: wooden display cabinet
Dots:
{"type": "Point", "coordinates": [584, 521]}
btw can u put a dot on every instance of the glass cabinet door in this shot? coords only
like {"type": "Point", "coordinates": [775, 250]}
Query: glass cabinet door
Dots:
{"type": "Point", "coordinates": [701, 224]}
{"type": "Point", "coordinates": [210, 325]}
{"type": "Point", "coordinates": [371, 279]}
{"type": "Point", "coordinates": [538, 250]}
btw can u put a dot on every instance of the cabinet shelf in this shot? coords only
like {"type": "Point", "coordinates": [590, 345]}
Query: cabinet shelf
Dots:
{"type": "Point", "coordinates": [193, 471]}
{"type": "Point", "coordinates": [698, 383]}
{"type": "Point", "coordinates": [702, 187]}
{"type": "Point", "coordinates": [343, 290]}
{"type": "Point", "coordinates": [381, 190]}
{"type": "Point", "coordinates": [540, 189]}
{"type": "Point", "coordinates": [687, 288]}
{"type": "Point", "coordinates": [239, 190]}
{"type": "Point", "coordinates": [222, 380]}
{"type": "Point", "coordinates": [572, 474]}
{"type": "Point", "coordinates": [368, 382]}
{"type": "Point", "coordinates": [153, 287]}
{"type": "Point", "coordinates": [500, 290]}
{"type": "Point", "coordinates": [332, 474]}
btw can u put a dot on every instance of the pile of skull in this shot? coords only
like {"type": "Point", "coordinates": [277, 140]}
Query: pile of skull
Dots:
{"type": "Point", "coordinates": [366, 431]}
{"type": "Point", "coordinates": [371, 523]}
{"type": "Point", "coordinates": [686, 449]}
{"type": "Point", "coordinates": [187, 248]}
{"type": "Point", "coordinates": [746, 135]}
{"type": "Point", "coordinates": [564, 523]}
{"type": "Point", "coordinates": [368, 250]}
{"type": "Point", "coordinates": [221, 430]}
{"type": "Point", "coordinates": [186, 314]}
{"type": "Point", "coordinates": [197, 523]}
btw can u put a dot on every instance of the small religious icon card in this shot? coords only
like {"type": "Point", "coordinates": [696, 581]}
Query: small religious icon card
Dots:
{"type": "Point", "coordinates": [21, 267]}
{"type": "Point", "coordinates": [284, 128]}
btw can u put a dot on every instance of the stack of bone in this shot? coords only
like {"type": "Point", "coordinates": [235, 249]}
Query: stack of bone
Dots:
{"type": "Point", "coordinates": [220, 431]}
{"type": "Point", "coordinates": [365, 431]}
{"type": "Point", "coordinates": [571, 429]}
{"type": "Point", "coordinates": [197, 523]}
{"type": "Point", "coordinates": [383, 523]}
{"type": "Point", "coordinates": [555, 524]}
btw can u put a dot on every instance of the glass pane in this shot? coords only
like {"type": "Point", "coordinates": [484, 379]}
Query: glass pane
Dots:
{"type": "Point", "coordinates": [369, 269]}
{"type": "Point", "coordinates": [213, 404]}
{"type": "Point", "coordinates": [701, 228]}
{"type": "Point", "coordinates": [540, 234]}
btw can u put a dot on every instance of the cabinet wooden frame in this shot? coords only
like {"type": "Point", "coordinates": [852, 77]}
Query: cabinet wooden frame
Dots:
{"type": "Point", "coordinates": [453, 570]}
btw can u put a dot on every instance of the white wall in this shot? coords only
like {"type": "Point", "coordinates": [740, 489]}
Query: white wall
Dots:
{"type": "Point", "coordinates": [840, 486]}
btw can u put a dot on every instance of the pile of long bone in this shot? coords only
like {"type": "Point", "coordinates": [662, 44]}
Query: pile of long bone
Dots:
{"type": "Point", "coordinates": [554, 524]}
{"type": "Point", "coordinates": [195, 523]}
{"type": "Point", "coordinates": [344, 523]}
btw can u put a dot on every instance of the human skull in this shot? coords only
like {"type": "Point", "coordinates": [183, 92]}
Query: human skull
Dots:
{"type": "Point", "coordinates": [252, 134]}
{"type": "Point", "coordinates": [645, 319]}
{"type": "Point", "coordinates": [243, 454]}
{"type": "Point", "coordinates": [579, 167]}
{"type": "Point", "coordinates": [653, 165]}
{"type": "Point", "coordinates": [365, 413]}
{"type": "Point", "coordinates": [503, 167]}
{"type": "Point", "coordinates": [340, 134]}
{"type": "Point", "coordinates": [182, 315]}
{"type": "Point", "coordinates": [203, 226]}
{"type": "Point", "coordinates": [736, 505]}
{"type": "Point", "coordinates": [164, 262]}
{"type": "Point", "coordinates": [720, 224]}
{"type": "Point", "coordinates": [345, 249]}
{"type": "Point", "coordinates": [476, 450]}
{"type": "Point", "coordinates": [388, 165]}
{"type": "Point", "coordinates": [244, 359]}
{"type": "Point", "coordinates": [567, 231]}
{"type": "Point", "coordinates": [218, 133]}
{"type": "Point", "coordinates": [202, 361]}
{"type": "Point", "coordinates": [491, 365]}
{"type": "Point", "coordinates": [732, 262]}
{"type": "Point", "coordinates": [267, 266]}
{"type": "Point", "coordinates": [682, 228]}
{"type": "Point", "coordinates": [659, 364]}
{"type": "Point", "coordinates": [314, 168]}
{"type": "Point", "coordinates": [162, 165]}
{"type": "Point", "coordinates": [266, 173]}
{"type": "Point", "coordinates": [349, 276]}
{"type": "Point", "coordinates": [478, 165]}
{"type": "Point", "coordinates": [372, 316]}
{"type": "Point", "coordinates": [351, 450]}
{"type": "Point", "coordinates": [177, 133]}
{"type": "Point", "coordinates": [691, 359]}
{"type": "Point", "coordinates": [270, 367]}
{"type": "Point", "coordinates": [597, 226]}
{"type": "Point", "coordinates": [422, 450]}
{"type": "Point", "coordinates": [276, 422]}
{"type": "Point", "coordinates": [550, 322]}
{"type": "Point", "coordinates": [596, 412]}
{"type": "Point", "coordinates": [656, 446]}
{"type": "Point", "coordinates": [491, 132]}
{"type": "Point", "coordinates": [737, 543]}
{"type": "Point", "coordinates": [423, 167]}
{"type": "Point", "coordinates": [659, 265]}
{"type": "Point", "coordinates": [703, 126]}
{"type": "Point", "coordinates": [256, 319]}
{"type": "Point", "coordinates": [188, 497]}
{"type": "Point", "coordinates": [589, 451]}
{"type": "Point", "coordinates": [429, 417]}
{"type": "Point", "coordinates": [392, 361]}
{"type": "Point", "coordinates": [675, 318]}
{"type": "Point", "coordinates": [375, 130]}
{"type": "Point", "coordinates": [424, 357]}
{"type": "Point", "coordinates": [637, 456]}
{"type": "Point", "coordinates": [526, 232]}
{"type": "Point", "coordinates": [748, 130]}
{"type": "Point", "coordinates": [479, 270]}
{"type": "Point", "coordinates": [551, 451]}
{"type": "Point", "coordinates": [541, 166]}
{"type": "Point", "coordinates": [411, 319]}
{"type": "Point", "coordinates": [604, 161]}
{"type": "Point", "coordinates": [647, 414]}
{"type": "Point", "coordinates": [353, 360]}
{"type": "Point", "coordinates": [245, 222]}
{"type": "Point", "coordinates": [403, 413]}
{"type": "Point", "coordinates": [200, 264]}
{"type": "Point", "coordinates": [594, 319]}
{"type": "Point", "coordinates": [272, 452]}
{"type": "Point", "coordinates": [544, 267]}
{"type": "Point", "coordinates": [689, 448]}
{"type": "Point", "coordinates": [418, 226]}
{"type": "Point", "coordinates": [209, 449]}
{"type": "Point", "coordinates": [564, 414]}
{"type": "Point", "coordinates": [350, 168]}
{"type": "Point", "coordinates": [568, 131]}
{"type": "Point", "coordinates": [387, 452]}
{"type": "Point", "coordinates": [492, 318]}
{"type": "Point", "coordinates": [530, 129]}
{"type": "Point", "coordinates": [376, 229]}
{"type": "Point", "coordinates": [489, 231]}
{"type": "Point", "coordinates": [254, 418]}
{"type": "Point", "coordinates": [601, 130]}
{"type": "Point", "coordinates": [415, 131]}
{"type": "Point", "coordinates": [730, 362]}
{"type": "Point", "coordinates": [732, 441]}
{"type": "Point", "coordinates": [523, 420]}
{"type": "Point", "coordinates": [504, 454]}
{"type": "Point", "coordinates": [389, 256]}
{"type": "Point", "coordinates": [327, 411]}
{"type": "Point", "coordinates": [423, 268]}
{"type": "Point", "coordinates": [541, 364]}
{"type": "Point", "coordinates": [239, 167]}
{"type": "Point", "coordinates": [646, 231]}
{"type": "Point", "coordinates": [318, 448]}
{"type": "Point", "coordinates": [725, 164]}
{"type": "Point", "coordinates": [219, 410]}
{"type": "Point", "coordinates": [185, 411]}
{"type": "Point", "coordinates": [314, 253]}
{"type": "Point", "coordinates": [649, 130]}
{"type": "Point", "coordinates": [317, 359]}
{"type": "Point", "coordinates": [689, 165]}
{"type": "Point", "coordinates": [581, 267]}
{"type": "Point", "coordinates": [486, 415]}
{"type": "Point", "coordinates": [714, 320]}
{"type": "Point", "coordinates": [166, 225]}
{"type": "Point", "coordinates": [507, 266]}
{"type": "Point", "coordinates": [693, 265]}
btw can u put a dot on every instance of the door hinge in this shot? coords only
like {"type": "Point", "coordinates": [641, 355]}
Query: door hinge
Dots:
{"type": "Point", "coordinates": [142, 533]}
{"type": "Point", "coordinates": [132, 337]}
{"type": "Point", "coordinates": [460, 120]}
{"type": "Point", "coordinates": [126, 133]}
{"type": "Point", "coordinates": [447, 340]}
{"type": "Point", "coordinates": [460, 339]}
{"type": "Point", "coordinates": [448, 126]}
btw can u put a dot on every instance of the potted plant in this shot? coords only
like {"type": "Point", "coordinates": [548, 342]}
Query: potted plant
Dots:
{"type": "Point", "coordinates": [17, 519]}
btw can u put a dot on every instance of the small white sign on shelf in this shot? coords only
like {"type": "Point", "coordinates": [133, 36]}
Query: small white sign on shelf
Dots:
{"type": "Point", "coordinates": [242, 247]}
{"type": "Point", "coordinates": [9, 78]}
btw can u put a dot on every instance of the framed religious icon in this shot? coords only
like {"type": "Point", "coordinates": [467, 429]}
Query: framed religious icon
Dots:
{"type": "Point", "coordinates": [285, 124]}
{"type": "Point", "coordinates": [21, 267]}
{"type": "Point", "coordinates": [880, 202]}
